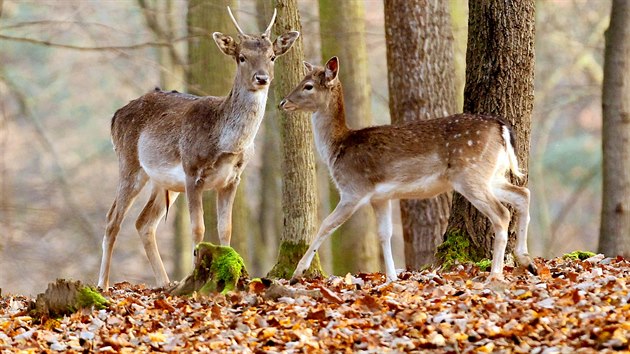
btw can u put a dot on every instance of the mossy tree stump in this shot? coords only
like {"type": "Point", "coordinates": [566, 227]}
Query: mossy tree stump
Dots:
{"type": "Point", "coordinates": [218, 269]}
{"type": "Point", "coordinates": [289, 256]}
{"type": "Point", "coordinates": [64, 297]}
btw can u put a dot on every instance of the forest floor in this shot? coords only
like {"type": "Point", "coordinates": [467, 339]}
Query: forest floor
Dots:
{"type": "Point", "coordinates": [572, 306]}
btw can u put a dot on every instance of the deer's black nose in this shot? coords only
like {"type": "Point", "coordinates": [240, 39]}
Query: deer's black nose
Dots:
{"type": "Point", "coordinates": [262, 79]}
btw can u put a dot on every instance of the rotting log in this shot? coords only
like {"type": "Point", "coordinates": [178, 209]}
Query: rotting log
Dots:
{"type": "Point", "coordinates": [64, 297]}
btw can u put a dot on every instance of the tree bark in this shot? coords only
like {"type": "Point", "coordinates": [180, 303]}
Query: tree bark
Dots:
{"type": "Point", "coordinates": [342, 33]}
{"type": "Point", "coordinates": [299, 196]}
{"type": "Point", "coordinates": [212, 73]}
{"type": "Point", "coordinates": [421, 86]}
{"type": "Point", "coordinates": [499, 81]}
{"type": "Point", "coordinates": [182, 240]}
{"type": "Point", "coordinates": [270, 207]}
{"type": "Point", "coordinates": [615, 220]}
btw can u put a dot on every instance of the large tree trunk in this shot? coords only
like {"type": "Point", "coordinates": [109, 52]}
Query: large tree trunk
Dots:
{"type": "Point", "coordinates": [421, 86]}
{"type": "Point", "coordinates": [499, 81]}
{"type": "Point", "coordinates": [342, 33]}
{"type": "Point", "coordinates": [614, 236]}
{"type": "Point", "coordinates": [212, 73]}
{"type": "Point", "coordinates": [299, 196]}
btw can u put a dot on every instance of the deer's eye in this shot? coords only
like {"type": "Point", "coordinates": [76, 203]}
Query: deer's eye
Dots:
{"type": "Point", "coordinates": [308, 87]}
{"type": "Point", "coordinates": [241, 58]}
{"type": "Point", "coordinates": [273, 58]}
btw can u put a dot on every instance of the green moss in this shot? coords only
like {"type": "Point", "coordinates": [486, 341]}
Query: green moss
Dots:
{"type": "Point", "coordinates": [578, 255]}
{"type": "Point", "coordinates": [484, 264]}
{"type": "Point", "coordinates": [226, 267]}
{"type": "Point", "coordinates": [288, 257]}
{"type": "Point", "coordinates": [88, 297]}
{"type": "Point", "coordinates": [457, 249]}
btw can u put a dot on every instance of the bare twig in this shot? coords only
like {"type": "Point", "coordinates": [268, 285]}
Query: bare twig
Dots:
{"type": "Point", "coordinates": [81, 48]}
{"type": "Point", "coordinates": [162, 35]}
{"type": "Point", "coordinates": [82, 219]}
{"type": "Point", "coordinates": [57, 23]}
{"type": "Point", "coordinates": [573, 198]}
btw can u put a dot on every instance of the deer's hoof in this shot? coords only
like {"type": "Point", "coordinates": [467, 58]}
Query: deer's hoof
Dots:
{"type": "Point", "coordinates": [294, 280]}
{"type": "Point", "coordinates": [532, 268]}
{"type": "Point", "coordinates": [526, 261]}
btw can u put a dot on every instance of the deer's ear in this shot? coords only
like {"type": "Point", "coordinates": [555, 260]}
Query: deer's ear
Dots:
{"type": "Point", "coordinates": [309, 67]}
{"type": "Point", "coordinates": [283, 43]}
{"type": "Point", "coordinates": [332, 69]}
{"type": "Point", "coordinates": [225, 43]}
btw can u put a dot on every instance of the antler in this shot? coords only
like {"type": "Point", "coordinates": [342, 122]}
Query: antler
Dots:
{"type": "Point", "coordinates": [240, 31]}
{"type": "Point", "coordinates": [267, 32]}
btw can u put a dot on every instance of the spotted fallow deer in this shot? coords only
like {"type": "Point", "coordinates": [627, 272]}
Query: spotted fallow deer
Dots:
{"type": "Point", "coordinates": [185, 143]}
{"type": "Point", "coordinates": [466, 153]}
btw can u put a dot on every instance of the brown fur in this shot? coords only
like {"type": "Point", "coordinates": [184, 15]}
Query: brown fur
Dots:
{"type": "Point", "coordinates": [464, 152]}
{"type": "Point", "coordinates": [185, 143]}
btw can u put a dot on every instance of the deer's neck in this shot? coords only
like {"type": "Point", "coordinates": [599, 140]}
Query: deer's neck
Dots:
{"type": "Point", "coordinates": [243, 113]}
{"type": "Point", "coordinates": [329, 125]}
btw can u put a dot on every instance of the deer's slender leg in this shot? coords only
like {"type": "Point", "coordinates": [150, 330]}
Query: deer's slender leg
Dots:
{"type": "Point", "coordinates": [518, 197]}
{"type": "Point", "coordinates": [129, 185]}
{"type": "Point", "coordinates": [147, 223]}
{"type": "Point", "coordinates": [499, 216]}
{"type": "Point", "coordinates": [342, 212]}
{"type": "Point", "coordinates": [194, 191]}
{"type": "Point", "coordinates": [383, 213]}
{"type": "Point", "coordinates": [225, 201]}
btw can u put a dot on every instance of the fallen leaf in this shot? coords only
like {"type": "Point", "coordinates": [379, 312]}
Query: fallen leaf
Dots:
{"type": "Point", "coordinates": [330, 296]}
{"type": "Point", "coordinates": [162, 304]}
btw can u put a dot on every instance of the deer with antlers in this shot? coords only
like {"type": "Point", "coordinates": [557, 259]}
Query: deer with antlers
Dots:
{"type": "Point", "coordinates": [181, 143]}
{"type": "Point", "coordinates": [466, 153]}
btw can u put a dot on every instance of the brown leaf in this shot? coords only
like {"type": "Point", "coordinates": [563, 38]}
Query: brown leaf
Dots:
{"type": "Point", "coordinates": [330, 296]}
{"type": "Point", "coordinates": [161, 304]}
{"type": "Point", "coordinates": [318, 315]}
{"type": "Point", "coordinates": [257, 287]}
{"type": "Point", "coordinates": [543, 271]}
{"type": "Point", "coordinates": [368, 303]}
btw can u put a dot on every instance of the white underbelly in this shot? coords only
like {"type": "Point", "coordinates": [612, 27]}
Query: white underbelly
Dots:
{"type": "Point", "coordinates": [422, 188]}
{"type": "Point", "coordinates": [167, 176]}
{"type": "Point", "coordinates": [173, 178]}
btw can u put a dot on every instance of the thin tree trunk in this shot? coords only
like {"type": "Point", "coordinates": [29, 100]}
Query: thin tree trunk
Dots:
{"type": "Point", "coordinates": [160, 21]}
{"type": "Point", "coordinates": [182, 240]}
{"type": "Point", "coordinates": [212, 73]}
{"type": "Point", "coordinates": [342, 33]}
{"type": "Point", "coordinates": [299, 195]}
{"type": "Point", "coordinates": [615, 221]}
{"type": "Point", "coordinates": [421, 86]}
{"type": "Point", "coordinates": [270, 208]}
{"type": "Point", "coordinates": [499, 81]}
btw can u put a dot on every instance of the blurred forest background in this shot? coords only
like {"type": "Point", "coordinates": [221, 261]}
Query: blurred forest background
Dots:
{"type": "Point", "coordinates": [67, 65]}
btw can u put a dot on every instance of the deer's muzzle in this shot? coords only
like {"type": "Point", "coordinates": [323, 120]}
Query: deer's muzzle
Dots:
{"type": "Point", "coordinates": [286, 105]}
